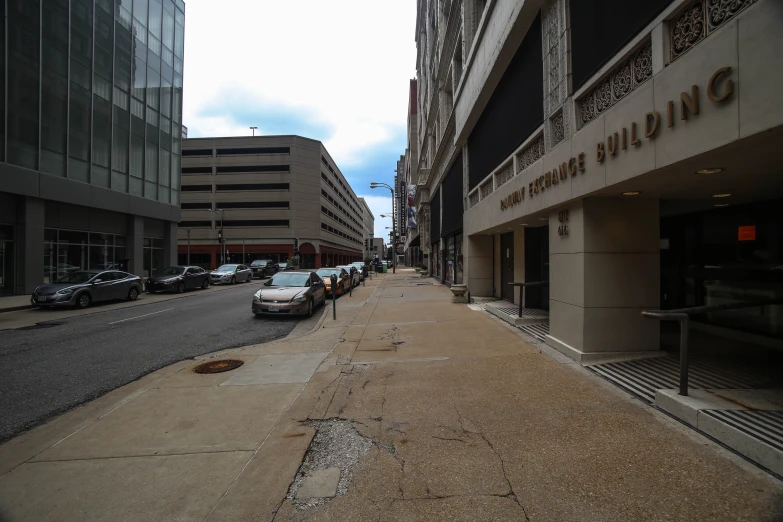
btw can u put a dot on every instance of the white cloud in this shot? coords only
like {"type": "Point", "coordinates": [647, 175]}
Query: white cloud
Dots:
{"type": "Point", "coordinates": [380, 205]}
{"type": "Point", "coordinates": [343, 63]}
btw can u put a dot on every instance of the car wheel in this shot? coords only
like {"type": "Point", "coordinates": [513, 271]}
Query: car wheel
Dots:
{"type": "Point", "coordinates": [233, 280]}
{"type": "Point", "coordinates": [310, 308]}
{"type": "Point", "coordinates": [205, 284]}
{"type": "Point", "coordinates": [84, 300]}
{"type": "Point", "coordinates": [181, 288]}
{"type": "Point", "coordinates": [133, 294]}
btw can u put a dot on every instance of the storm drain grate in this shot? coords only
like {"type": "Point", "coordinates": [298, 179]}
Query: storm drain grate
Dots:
{"type": "Point", "coordinates": [766, 426]}
{"type": "Point", "coordinates": [223, 365]}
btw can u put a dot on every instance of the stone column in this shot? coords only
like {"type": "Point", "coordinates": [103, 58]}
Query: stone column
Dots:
{"type": "Point", "coordinates": [170, 246]}
{"type": "Point", "coordinates": [477, 256]}
{"type": "Point", "coordinates": [30, 245]}
{"type": "Point", "coordinates": [602, 274]}
{"type": "Point", "coordinates": [136, 245]}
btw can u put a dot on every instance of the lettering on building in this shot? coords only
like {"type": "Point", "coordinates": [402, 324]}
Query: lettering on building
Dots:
{"type": "Point", "coordinates": [719, 88]}
{"type": "Point", "coordinates": [558, 175]}
{"type": "Point", "coordinates": [562, 217]}
{"type": "Point", "coordinates": [512, 199]}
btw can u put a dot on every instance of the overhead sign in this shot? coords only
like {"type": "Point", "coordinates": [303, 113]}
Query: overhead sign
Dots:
{"type": "Point", "coordinates": [747, 233]}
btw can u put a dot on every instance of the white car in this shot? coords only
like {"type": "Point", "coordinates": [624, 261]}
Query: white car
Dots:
{"type": "Point", "coordinates": [230, 274]}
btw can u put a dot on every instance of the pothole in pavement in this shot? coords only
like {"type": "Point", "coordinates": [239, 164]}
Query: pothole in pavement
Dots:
{"type": "Point", "coordinates": [337, 446]}
{"type": "Point", "coordinates": [220, 366]}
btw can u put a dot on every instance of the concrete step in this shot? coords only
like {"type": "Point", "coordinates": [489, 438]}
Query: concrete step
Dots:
{"type": "Point", "coordinates": [510, 313]}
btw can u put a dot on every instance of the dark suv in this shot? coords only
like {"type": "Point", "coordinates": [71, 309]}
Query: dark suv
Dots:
{"type": "Point", "coordinates": [263, 268]}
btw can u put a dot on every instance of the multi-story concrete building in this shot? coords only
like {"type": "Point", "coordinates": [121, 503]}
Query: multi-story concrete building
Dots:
{"type": "Point", "coordinates": [377, 248]}
{"type": "Point", "coordinates": [368, 229]}
{"type": "Point", "coordinates": [264, 197]}
{"type": "Point", "coordinates": [90, 147]}
{"type": "Point", "coordinates": [413, 253]}
{"type": "Point", "coordinates": [628, 159]}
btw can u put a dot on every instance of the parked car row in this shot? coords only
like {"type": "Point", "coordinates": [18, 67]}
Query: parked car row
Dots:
{"type": "Point", "coordinates": [81, 288]}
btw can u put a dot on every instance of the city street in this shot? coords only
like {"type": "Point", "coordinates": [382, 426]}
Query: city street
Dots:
{"type": "Point", "coordinates": [68, 360]}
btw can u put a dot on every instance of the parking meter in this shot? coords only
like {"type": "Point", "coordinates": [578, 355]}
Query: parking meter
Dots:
{"type": "Point", "coordinates": [333, 281]}
{"type": "Point", "coordinates": [353, 273]}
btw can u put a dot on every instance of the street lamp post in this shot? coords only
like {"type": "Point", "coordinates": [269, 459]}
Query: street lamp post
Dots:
{"type": "Point", "coordinates": [188, 247]}
{"type": "Point", "coordinates": [254, 130]}
{"type": "Point", "coordinates": [394, 234]}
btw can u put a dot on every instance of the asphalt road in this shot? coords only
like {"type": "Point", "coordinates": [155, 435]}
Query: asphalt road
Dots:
{"type": "Point", "coordinates": [45, 370]}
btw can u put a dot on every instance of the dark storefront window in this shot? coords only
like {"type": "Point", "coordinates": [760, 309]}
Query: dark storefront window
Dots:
{"type": "Point", "coordinates": [7, 266]}
{"type": "Point", "coordinates": [726, 255]}
{"type": "Point", "coordinates": [153, 256]}
{"type": "Point", "coordinates": [67, 251]}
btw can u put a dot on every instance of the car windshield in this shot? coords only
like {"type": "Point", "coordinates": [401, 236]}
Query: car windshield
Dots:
{"type": "Point", "coordinates": [259, 263]}
{"type": "Point", "coordinates": [283, 265]}
{"type": "Point", "coordinates": [326, 272]}
{"type": "Point", "coordinates": [76, 277]}
{"type": "Point", "coordinates": [227, 268]}
{"type": "Point", "coordinates": [288, 280]}
{"type": "Point", "coordinates": [173, 270]}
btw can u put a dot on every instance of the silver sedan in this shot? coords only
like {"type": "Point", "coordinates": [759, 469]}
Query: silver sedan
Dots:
{"type": "Point", "coordinates": [230, 274]}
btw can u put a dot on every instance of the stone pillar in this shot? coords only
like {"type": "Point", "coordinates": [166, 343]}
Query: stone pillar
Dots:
{"type": "Point", "coordinates": [170, 244]}
{"type": "Point", "coordinates": [478, 265]}
{"type": "Point", "coordinates": [602, 274]}
{"type": "Point", "coordinates": [30, 245]}
{"type": "Point", "coordinates": [136, 245]}
{"type": "Point", "coordinates": [519, 261]}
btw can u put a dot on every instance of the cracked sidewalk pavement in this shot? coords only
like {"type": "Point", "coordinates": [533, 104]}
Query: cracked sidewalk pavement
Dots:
{"type": "Point", "coordinates": [461, 419]}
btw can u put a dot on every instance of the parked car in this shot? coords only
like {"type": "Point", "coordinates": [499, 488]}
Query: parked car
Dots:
{"type": "Point", "coordinates": [263, 268]}
{"type": "Point", "coordinates": [294, 293]}
{"type": "Point", "coordinates": [355, 278]}
{"type": "Point", "coordinates": [343, 280]}
{"type": "Point", "coordinates": [230, 274]}
{"type": "Point", "coordinates": [284, 266]}
{"type": "Point", "coordinates": [361, 267]}
{"type": "Point", "coordinates": [85, 287]}
{"type": "Point", "coordinates": [178, 279]}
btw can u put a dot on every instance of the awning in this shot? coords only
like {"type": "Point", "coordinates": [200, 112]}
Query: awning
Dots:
{"type": "Point", "coordinates": [416, 241]}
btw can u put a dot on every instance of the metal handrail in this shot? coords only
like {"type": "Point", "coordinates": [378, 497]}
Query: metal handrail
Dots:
{"type": "Point", "coordinates": [522, 295]}
{"type": "Point", "coordinates": [682, 315]}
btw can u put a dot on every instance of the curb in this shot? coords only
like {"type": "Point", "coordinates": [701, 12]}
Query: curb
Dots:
{"type": "Point", "coordinates": [15, 308]}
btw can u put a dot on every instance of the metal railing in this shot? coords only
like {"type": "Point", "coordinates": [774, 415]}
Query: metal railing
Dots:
{"type": "Point", "coordinates": [683, 315]}
{"type": "Point", "coordinates": [522, 295]}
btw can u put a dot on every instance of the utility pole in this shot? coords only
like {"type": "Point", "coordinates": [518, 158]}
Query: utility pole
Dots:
{"type": "Point", "coordinates": [254, 130]}
{"type": "Point", "coordinates": [243, 250]}
{"type": "Point", "coordinates": [188, 247]}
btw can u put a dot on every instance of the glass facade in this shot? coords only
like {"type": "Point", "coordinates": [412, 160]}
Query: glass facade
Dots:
{"type": "Point", "coordinates": [110, 112]}
{"type": "Point", "coordinates": [70, 250]}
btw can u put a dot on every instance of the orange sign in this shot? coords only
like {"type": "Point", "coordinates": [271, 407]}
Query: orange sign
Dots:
{"type": "Point", "coordinates": [747, 233]}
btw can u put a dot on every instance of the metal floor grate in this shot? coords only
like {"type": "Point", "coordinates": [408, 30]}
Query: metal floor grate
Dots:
{"type": "Point", "coordinates": [766, 426]}
{"type": "Point", "coordinates": [642, 377]}
{"type": "Point", "coordinates": [538, 331]}
{"type": "Point", "coordinates": [526, 312]}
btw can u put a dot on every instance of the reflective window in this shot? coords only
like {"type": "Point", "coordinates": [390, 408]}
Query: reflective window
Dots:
{"type": "Point", "coordinates": [54, 88]}
{"type": "Point", "coordinates": [23, 63]}
{"type": "Point", "coordinates": [81, 90]}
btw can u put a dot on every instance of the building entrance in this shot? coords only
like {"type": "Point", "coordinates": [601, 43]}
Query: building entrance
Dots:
{"type": "Point", "coordinates": [507, 266]}
{"type": "Point", "coordinates": [537, 266]}
{"type": "Point", "coordinates": [7, 271]}
{"type": "Point", "coordinates": [724, 255]}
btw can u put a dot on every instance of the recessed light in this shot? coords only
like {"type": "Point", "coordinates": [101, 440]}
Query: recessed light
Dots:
{"type": "Point", "coordinates": [722, 205]}
{"type": "Point", "coordinates": [509, 228]}
{"type": "Point", "coordinates": [631, 193]}
{"type": "Point", "coordinates": [710, 170]}
{"type": "Point", "coordinates": [721, 195]}
{"type": "Point", "coordinates": [543, 219]}
{"type": "Point", "coordinates": [523, 224]}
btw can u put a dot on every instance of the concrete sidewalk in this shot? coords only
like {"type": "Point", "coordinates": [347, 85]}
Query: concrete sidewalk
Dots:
{"type": "Point", "coordinates": [418, 409]}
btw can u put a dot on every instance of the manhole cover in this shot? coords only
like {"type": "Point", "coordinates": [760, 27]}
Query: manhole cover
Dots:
{"type": "Point", "coordinates": [224, 365]}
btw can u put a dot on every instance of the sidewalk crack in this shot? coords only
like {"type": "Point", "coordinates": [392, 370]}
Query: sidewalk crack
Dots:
{"type": "Point", "coordinates": [511, 494]}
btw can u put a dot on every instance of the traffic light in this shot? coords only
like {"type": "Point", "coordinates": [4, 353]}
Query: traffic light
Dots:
{"type": "Point", "coordinates": [220, 237]}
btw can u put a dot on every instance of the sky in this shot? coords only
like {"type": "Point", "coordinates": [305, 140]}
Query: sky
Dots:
{"type": "Point", "coordinates": [336, 71]}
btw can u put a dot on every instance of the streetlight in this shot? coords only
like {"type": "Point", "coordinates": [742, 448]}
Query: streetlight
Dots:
{"type": "Point", "coordinates": [254, 130]}
{"type": "Point", "coordinates": [394, 234]}
{"type": "Point", "coordinates": [222, 237]}
{"type": "Point", "coordinates": [188, 246]}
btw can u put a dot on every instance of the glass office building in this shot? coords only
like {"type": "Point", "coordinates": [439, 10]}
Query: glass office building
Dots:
{"type": "Point", "coordinates": [92, 128]}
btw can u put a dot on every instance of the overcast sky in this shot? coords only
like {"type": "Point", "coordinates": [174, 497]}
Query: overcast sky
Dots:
{"type": "Point", "coordinates": [335, 70]}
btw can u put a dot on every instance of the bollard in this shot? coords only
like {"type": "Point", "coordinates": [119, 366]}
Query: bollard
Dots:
{"type": "Point", "coordinates": [333, 279]}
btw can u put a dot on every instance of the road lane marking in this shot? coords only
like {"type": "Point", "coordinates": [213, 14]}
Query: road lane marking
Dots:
{"type": "Point", "coordinates": [140, 316]}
